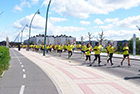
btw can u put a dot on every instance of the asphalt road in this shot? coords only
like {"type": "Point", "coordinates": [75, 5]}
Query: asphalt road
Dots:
{"type": "Point", "coordinates": [127, 73]}
{"type": "Point", "coordinates": [24, 77]}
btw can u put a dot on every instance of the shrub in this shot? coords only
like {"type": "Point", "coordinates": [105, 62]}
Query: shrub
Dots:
{"type": "Point", "coordinates": [4, 59]}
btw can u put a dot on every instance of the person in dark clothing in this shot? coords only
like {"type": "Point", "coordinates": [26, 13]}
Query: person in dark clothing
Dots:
{"type": "Point", "coordinates": [18, 47]}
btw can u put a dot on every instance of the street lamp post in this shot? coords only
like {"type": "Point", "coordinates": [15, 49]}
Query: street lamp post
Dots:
{"type": "Point", "coordinates": [46, 27]}
{"type": "Point", "coordinates": [1, 12]}
{"type": "Point", "coordinates": [22, 32]}
{"type": "Point", "coordinates": [17, 37]}
{"type": "Point", "coordinates": [37, 12]}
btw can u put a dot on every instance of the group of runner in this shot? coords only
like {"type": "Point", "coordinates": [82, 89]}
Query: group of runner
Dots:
{"type": "Point", "coordinates": [86, 50]}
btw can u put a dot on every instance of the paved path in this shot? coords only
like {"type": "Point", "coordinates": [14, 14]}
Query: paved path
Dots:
{"type": "Point", "coordinates": [75, 79]}
{"type": "Point", "coordinates": [24, 77]}
{"type": "Point", "coordinates": [128, 73]}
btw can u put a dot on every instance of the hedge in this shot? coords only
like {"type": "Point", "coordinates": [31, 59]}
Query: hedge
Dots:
{"type": "Point", "coordinates": [4, 59]}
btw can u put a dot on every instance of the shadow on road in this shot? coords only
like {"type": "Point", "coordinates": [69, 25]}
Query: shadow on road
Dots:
{"type": "Point", "coordinates": [119, 66]}
{"type": "Point", "coordinates": [138, 70]}
{"type": "Point", "coordinates": [129, 78]}
{"type": "Point", "coordinates": [99, 66]}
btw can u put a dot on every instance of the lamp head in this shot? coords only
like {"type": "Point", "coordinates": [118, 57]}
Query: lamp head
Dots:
{"type": "Point", "coordinates": [38, 12]}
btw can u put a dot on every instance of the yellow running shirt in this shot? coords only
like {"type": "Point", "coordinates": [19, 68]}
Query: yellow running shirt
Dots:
{"type": "Point", "coordinates": [126, 50]}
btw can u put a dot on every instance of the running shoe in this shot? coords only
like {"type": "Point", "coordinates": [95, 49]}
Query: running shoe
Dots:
{"type": "Point", "coordinates": [107, 61]}
{"type": "Point", "coordinates": [121, 63]}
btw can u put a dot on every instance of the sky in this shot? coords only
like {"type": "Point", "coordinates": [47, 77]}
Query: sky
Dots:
{"type": "Point", "coordinates": [117, 18]}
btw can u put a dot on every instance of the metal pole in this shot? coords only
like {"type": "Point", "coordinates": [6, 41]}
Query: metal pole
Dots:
{"type": "Point", "coordinates": [134, 44]}
{"type": "Point", "coordinates": [30, 27]}
{"type": "Point", "coordinates": [46, 27]}
{"type": "Point", "coordinates": [22, 32]}
{"type": "Point", "coordinates": [1, 12]}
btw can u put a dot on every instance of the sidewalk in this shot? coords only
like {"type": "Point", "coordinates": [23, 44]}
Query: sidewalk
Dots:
{"type": "Point", "coordinates": [116, 55]}
{"type": "Point", "coordinates": [74, 79]}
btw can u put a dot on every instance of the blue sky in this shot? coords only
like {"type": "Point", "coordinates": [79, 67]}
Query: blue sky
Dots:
{"type": "Point", "coordinates": [117, 18]}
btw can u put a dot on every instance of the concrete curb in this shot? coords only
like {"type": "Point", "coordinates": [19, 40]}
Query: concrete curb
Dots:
{"type": "Point", "coordinates": [113, 56]}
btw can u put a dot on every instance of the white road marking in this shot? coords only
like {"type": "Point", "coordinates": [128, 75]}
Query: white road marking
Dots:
{"type": "Point", "coordinates": [24, 75]}
{"type": "Point", "coordinates": [23, 70]}
{"type": "Point", "coordinates": [22, 89]}
{"type": "Point", "coordinates": [3, 74]}
{"type": "Point", "coordinates": [20, 62]}
{"type": "Point", "coordinates": [22, 66]}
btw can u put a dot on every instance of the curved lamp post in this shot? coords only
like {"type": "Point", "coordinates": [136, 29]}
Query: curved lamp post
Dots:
{"type": "Point", "coordinates": [22, 32]}
{"type": "Point", "coordinates": [37, 12]}
{"type": "Point", "coordinates": [1, 12]}
{"type": "Point", "coordinates": [46, 27]}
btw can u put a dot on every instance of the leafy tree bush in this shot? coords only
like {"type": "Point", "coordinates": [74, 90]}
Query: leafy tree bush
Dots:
{"type": "Point", "coordinates": [130, 44]}
{"type": "Point", "coordinates": [4, 59]}
{"type": "Point", "coordinates": [119, 47]}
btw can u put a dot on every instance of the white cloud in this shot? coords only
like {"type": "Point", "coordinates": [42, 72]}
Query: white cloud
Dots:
{"type": "Point", "coordinates": [129, 22]}
{"type": "Point", "coordinates": [109, 26]}
{"type": "Point", "coordinates": [18, 8]}
{"type": "Point", "coordinates": [55, 19]}
{"type": "Point", "coordinates": [34, 2]}
{"type": "Point", "coordinates": [98, 21]}
{"type": "Point", "coordinates": [38, 26]}
{"type": "Point", "coordinates": [121, 34]}
{"type": "Point", "coordinates": [108, 20]}
{"type": "Point", "coordinates": [85, 22]}
{"type": "Point", "coordinates": [82, 8]}
{"type": "Point", "coordinates": [95, 27]}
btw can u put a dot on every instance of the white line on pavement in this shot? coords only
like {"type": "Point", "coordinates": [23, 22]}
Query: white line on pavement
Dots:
{"type": "Point", "coordinates": [22, 89]}
{"type": "Point", "coordinates": [20, 62]}
{"type": "Point", "coordinates": [23, 70]}
{"type": "Point", "coordinates": [3, 74]}
{"type": "Point", "coordinates": [24, 75]}
{"type": "Point", "coordinates": [22, 66]}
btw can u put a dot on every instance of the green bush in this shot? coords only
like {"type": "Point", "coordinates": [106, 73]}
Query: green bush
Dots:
{"type": "Point", "coordinates": [4, 59]}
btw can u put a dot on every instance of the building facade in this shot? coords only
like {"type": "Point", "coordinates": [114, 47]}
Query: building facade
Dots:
{"type": "Point", "coordinates": [62, 39]}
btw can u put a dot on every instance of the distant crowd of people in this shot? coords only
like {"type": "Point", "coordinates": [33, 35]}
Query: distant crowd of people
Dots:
{"type": "Point", "coordinates": [86, 50]}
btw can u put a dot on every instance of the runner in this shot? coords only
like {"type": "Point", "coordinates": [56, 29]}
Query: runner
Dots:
{"type": "Point", "coordinates": [111, 50]}
{"type": "Point", "coordinates": [70, 48]}
{"type": "Point", "coordinates": [54, 48]}
{"type": "Point", "coordinates": [47, 47]}
{"type": "Point", "coordinates": [50, 48]}
{"type": "Point", "coordinates": [65, 47]}
{"type": "Point", "coordinates": [126, 54]}
{"type": "Point", "coordinates": [78, 46]}
{"type": "Point", "coordinates": [97, 50]}
{"type": "Point", "coordinates": [83, 49]}
{"type": "Point", "coordinates": [74, 46]}
{"type": "Point", "coordinates": [107, 49]}
{"type": "Point", "coordinates": [59, 49]}
{"type": "Point", "coordinates": [88, 52]}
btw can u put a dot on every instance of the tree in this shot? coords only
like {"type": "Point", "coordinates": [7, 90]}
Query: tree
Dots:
{"type": "Point", "coordinates": [119, 47]}
{"type": "Point", "coordinates": [101, 37]}
{"type": "Point", "coordinates": [25, 43]}
{"type": "Point", "coordinates": [66, 40]}
{"type": "Point", "coordinates": [31, 43]}
{"type": "Point", "coordinates": [89, 37]}
{"type": "Point", "coordinates": [82, 39]}
{"type": "Point", "coordinates": [130, 45]}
